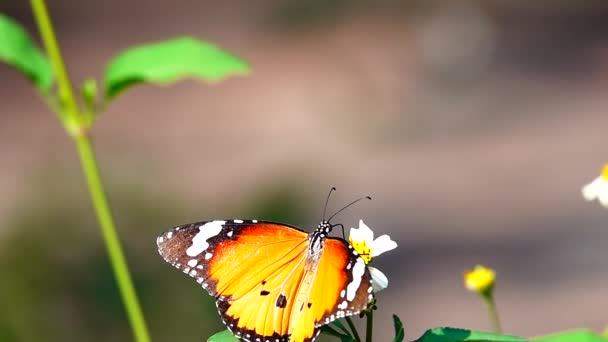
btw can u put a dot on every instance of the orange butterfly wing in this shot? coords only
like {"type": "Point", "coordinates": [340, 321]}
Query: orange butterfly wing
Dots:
{"type": "Point", "coordinates": [342, 287]}
{"type": "Point", "coordinates": [267, 285]}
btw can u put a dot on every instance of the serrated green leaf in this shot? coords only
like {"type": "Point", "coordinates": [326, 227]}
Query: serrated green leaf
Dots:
{"type": "Point", "coordinates": [223, 336]}
{"type": "Point", "coordinates": [169, 61]}
{"type": "Point", "coordinates": [399, 331]}
{"type": "Point", "coordinates": [19, 51]}
{"type": "Point", "coordinates": [578, 335]}
{"type": "Point", "coordinates": [459, 335]}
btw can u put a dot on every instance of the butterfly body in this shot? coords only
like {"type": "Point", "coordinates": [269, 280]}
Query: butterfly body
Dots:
{"type": "Point", "coordinates": [272, 282]}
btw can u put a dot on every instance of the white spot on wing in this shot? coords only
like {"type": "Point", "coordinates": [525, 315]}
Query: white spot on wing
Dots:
{"type": "Point", "coordinates": [238, 221]}
{"type": "Point", "coordinates": [169, 235]}
{"type": "Point", "coordinates": [358, 271]}
{"type": "Point", "coordinates": [205, 232]}
{"type": "Point", "coordinates": [229, 233]}
{"type": "Point", "coordinates": [208, 256]}
{"type": "Point", "coordinates": [192, 262]}
{"type": "Point", "coordinates": [254, 221]}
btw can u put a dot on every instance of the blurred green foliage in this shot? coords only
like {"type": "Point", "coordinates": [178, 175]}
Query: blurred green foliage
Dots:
{"type": "Point", "coordinates": [57, 284]}
{"type": "Point", "coordinates": [169, 61]}
{"type": "Point", "coordinates": [576, 335]}
{"type": "Point", "coordinates": [18, 50]}
{"type": "Point", "coordinates": [295, 14]}
{"type": "Point", "coordinates": [446, 334]}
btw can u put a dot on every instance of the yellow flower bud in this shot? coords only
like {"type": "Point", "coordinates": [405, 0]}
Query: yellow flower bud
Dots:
{"type": "Point", "coordinates": [480, 280]}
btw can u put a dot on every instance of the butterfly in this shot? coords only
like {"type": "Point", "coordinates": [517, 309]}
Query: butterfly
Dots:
{"type": "Point", "coordinates": [272, 282]}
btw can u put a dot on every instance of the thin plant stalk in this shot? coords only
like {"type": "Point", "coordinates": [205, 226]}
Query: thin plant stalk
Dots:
{"type": "Point", "coordinates": [353, 329]}
{"type": "Point", "coordinates": [74, 123]}
{"type": "Point", "coordinates": [370, 325]}
{"type": "Point", "coordinates": [492, 313]}
{"type": "Point", "coordinates": [113, 246]}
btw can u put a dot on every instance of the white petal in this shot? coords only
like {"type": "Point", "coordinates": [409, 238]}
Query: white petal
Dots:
{"type": "Point", "coordinates": [603, 198]}
{"type": "Point", "coordinates": [598, 189]}
{"type": "Point", "coordinates": [602, 192]}
{"type": "Point", "coordinates": [592, 190]}
{"type": "Point", "coordinates": [379, 280]}
{"type": "Point", "coordinates": [363, 233]}
{"type": "Point", "coordinates": [382, 244]}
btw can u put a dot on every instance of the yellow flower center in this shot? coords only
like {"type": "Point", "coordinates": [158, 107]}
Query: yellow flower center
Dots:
{"type": "Point", "coordinates": [605, 172]}
{"type": "Point", "coordinates": [363, 249]}
{"type": "Point", "coordinates": [481, 279]}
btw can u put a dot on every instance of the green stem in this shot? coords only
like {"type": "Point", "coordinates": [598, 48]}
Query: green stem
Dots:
{"type": "Point", "coordinates": [605, 333]}
{"type": "Point", "coordinates": [492, 313]}
{"type": "Point", "coordinates": [73, 121]}
{"type": "Point", "coordinates": [66, 95]}
{"type": "Point", "coordinates": [370, 325]}
{"type": "Point", "coordinates": [104, 215]}
{"type": "Point", "coordinates": [353, 329]}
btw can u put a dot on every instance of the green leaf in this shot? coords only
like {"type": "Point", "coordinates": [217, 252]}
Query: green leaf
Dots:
{"type": "Point", "coordinates": [458, 335]}
{"type": "Point", "coordinates": [18, 50]}
{"type": "Point", "coordinates": [326, 329]}
{"type": "Point", "coordinates": [578, 335]}
{"type": "Point", "coordinates": [399, 331]}
{"type": "Point", "coordinates": [89, 92]}
{"type": "Point", "coordinates": [341, 326]}
{"type": "Point", "coordinates": [223, 336]}
{"type": "Point", "coordinates": [169, 61]}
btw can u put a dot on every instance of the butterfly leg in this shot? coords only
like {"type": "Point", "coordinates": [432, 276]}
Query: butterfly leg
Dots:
{"type": "Point", "coordinates": [342, 227]}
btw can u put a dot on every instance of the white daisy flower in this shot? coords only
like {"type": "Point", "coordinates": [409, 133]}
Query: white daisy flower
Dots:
{"type": "Point", "coordinates": [362, 240]}
{"type": "Point", "coordinates": [598, 188]}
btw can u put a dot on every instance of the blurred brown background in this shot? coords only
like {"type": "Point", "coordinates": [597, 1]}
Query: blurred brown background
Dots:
{"type": "Point", "coordinates": [473, 124]}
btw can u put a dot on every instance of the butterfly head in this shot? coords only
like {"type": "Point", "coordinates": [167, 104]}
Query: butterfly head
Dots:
{"type": "Point", "coordinates": [325, 227]}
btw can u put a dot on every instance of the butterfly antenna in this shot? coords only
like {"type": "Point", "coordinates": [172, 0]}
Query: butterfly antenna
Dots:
{"type": "Point", "coordinates": [333, 188]}
{"type": "Point", "coordinates": [348, 205]}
